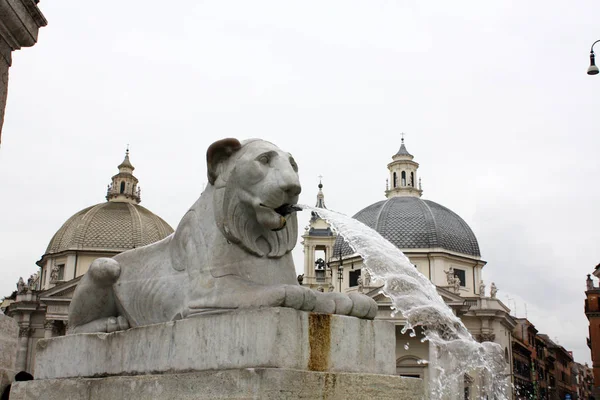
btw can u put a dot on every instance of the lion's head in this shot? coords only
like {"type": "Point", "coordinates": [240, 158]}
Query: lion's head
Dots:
{"type": "Point", "coordinates": [255, 184]}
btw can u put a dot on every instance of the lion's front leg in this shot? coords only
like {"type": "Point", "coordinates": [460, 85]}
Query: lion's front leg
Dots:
{"type": "Point", "coordinates": [355, 304]}
{"type": "Point", "coordinates": [232, 292]}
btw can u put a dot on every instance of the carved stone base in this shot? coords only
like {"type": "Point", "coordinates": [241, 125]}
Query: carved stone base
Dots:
{"type": "Point", "coordinates": [260, 383]}
{"type": "Point", "coordinates": [262, 338]}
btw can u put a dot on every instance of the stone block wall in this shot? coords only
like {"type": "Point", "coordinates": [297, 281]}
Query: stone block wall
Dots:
{"type": "Point", "coordinates": [9, 335]}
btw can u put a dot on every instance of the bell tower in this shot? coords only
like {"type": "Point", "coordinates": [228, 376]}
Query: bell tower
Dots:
{"type": "Point", "coordinates": [318, 240]}
{"type": "Point", "coordinates": [403, 180]}
{"type": "Point", "coordinates": [124, 186]}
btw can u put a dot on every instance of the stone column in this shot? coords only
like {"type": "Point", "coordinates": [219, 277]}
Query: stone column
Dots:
{"type": "Point", "coordinates": [20, 21]}
{"type": "Point", "coordinates": [9, 331]}
{"type": "Point", "coordinates": [49, 329]}
{"type": "Point", "coordinates": [24, 334]}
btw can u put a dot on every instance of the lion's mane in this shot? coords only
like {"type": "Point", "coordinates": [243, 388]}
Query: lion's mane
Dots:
{"type": "Point", "coordinates": [237, 221]}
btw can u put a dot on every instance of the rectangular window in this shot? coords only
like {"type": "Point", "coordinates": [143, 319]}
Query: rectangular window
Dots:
{"type": "Point", "coordinates": [354, 275]}
{"type": "Point", "coordinates": [61, 272]}
{"type": "Point", "coordinates": [461, 274]}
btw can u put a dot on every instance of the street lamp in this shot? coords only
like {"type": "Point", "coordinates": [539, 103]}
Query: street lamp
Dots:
{"type": "Point", "coordinates": [340, 271]}
{"type": "Point", "coordinates": [593, 69]}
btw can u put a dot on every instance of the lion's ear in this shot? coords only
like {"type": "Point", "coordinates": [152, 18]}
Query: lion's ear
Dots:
{"type": "Point", "coordinates": [217, 153]}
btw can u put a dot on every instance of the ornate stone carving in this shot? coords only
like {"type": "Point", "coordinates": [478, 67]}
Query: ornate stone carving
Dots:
{"type": "Point", "coordinates": [450, 276]}
{"type": "Point", "coordinates": [54, 273]}
{"type": "Point", "coordinates": [481, 289]}
{"type": "Point", "coordinates": [456, 284]}
{"type": "Point", "coordinates": [25, 331]}
{"type": "Point", "coordinates": [236, 239]}
{"type": "Point", "coordinates": [493, 290]}
{"type": "Point", "coordinates": [21, 287]}
{"type": "Point", "coordinates": [32, 281]}
{"type": "Point", "coordinates": [367, 278]}
{"type": "Point", "coordinates": [486, 337]}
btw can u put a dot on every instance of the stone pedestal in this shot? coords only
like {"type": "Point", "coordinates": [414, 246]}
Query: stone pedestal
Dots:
{"type": "Point", "coordinates": [268, 353]}
{"type": "Point", "coordinates": [259, 383]}
{"type": "Point", "coordinates": [9, 335]}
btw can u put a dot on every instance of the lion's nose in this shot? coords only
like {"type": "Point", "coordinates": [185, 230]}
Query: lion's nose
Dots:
{"type": "Point", "coordinates": [292, 189]}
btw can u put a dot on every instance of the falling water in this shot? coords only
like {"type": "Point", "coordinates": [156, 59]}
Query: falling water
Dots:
{"type": "Point", "coordinates": [455, 352]}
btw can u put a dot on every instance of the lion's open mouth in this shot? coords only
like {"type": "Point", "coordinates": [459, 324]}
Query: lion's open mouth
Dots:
{"type": "Point", "coordinates": [275, 218]}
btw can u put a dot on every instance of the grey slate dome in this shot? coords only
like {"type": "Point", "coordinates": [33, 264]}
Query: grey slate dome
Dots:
{"type": "Point", "coordinates": [413, 223]}
{"type": "Point", "coordinates": [111, 226]}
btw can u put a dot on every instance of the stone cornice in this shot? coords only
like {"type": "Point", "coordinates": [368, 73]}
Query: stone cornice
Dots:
{"type": "Point", "coordinates": [21, 20]}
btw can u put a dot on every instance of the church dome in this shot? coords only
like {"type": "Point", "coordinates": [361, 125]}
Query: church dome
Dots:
{"type": "Point", "coordinates": [110, 226]}
{"type": "Point", "coordinates": [413, 223]}
{"type": "Point", "coordinates": [114, 226]}
{"type": "Point", "coordinates": [410, 222]}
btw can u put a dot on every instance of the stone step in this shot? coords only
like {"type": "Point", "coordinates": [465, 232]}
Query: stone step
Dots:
{"type": "Point", "coordinates": [260, 383]}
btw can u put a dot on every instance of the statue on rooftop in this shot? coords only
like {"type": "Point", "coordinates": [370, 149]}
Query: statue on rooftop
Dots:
{"type": "Point", "coordinates": [493, 290]}
{"type": "Point", "coordinates": [367, 278]}
{"type": "Point", "coordinates": [456, 284]}
{"type": "Point", "coordinates": [21, 287]}
{"type": "Point", "coordinates": [450, 276]}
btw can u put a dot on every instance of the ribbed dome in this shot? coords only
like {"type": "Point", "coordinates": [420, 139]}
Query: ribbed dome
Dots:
{"type": "Point", "coordinates": [113, 226]}
{"type": "Point", "coordinates": [413, 223]}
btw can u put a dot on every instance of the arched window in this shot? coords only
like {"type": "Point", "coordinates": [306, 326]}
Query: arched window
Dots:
{"type": "Point", "coordinates": [403, 178]}
{"type": "Point", "coordinates": [122, 187]}
{"type": "Point", "coordinates": [412, 179]}
{"type": "Point", "coordinates": [395, 180]}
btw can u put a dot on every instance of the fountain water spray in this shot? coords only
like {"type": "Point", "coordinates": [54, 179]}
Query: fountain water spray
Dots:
{"type": "Point", "coordinates": [455, 352]}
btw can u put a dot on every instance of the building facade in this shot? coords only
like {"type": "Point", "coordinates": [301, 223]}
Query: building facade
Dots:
{"type": "Point", "coordinates": [544, 370]}
{"type": "Point", "coordinates": [102, 230]}
{"type": "Point", "coordinates": [20, 21]}
{"type": "Point", "coordinates": [585, 381]}
{"type": "Point", "coordinates": [525, 360]}
{"type": "Point", "coordinates": [592, 312]}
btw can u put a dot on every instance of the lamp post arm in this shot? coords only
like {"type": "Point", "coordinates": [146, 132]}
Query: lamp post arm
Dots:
{"type": "Point", "coordinates": [592, 49]}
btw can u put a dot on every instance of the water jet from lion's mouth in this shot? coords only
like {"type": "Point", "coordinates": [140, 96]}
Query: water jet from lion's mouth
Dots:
{"type": "Point", "coordinates": [287, 209]}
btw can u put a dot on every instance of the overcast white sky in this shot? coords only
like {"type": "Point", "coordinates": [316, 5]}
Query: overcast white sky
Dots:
{"type": "Point", "coordinates": [493, 97]}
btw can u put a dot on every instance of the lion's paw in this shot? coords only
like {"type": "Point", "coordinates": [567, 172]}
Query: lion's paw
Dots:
{"type": "Point", "coordinates": [116, 324]}
{"type": "Point", "coordinates": [363, 306]}
{"type": "Point", "coordinates": [355, 304]}
{"type": "Point", "coordinates": [325, 303]}
{"type": "Point", "coordinates": [299, 298]}
{"type": "Point", "coordinates": [333, 303]}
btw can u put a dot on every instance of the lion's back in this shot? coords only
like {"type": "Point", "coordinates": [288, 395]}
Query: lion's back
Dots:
{"type": "Point", "coordinates": [149, 290]}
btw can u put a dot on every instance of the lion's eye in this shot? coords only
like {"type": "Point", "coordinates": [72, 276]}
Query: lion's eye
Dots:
{"type": "Point", "coordinates": [264, 159]}
{"type": "Point", "coordinates": [293, 164]}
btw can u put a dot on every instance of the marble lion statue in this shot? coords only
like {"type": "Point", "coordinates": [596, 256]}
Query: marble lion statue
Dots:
{"type": "Point", "coordinates": [231, 250]}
